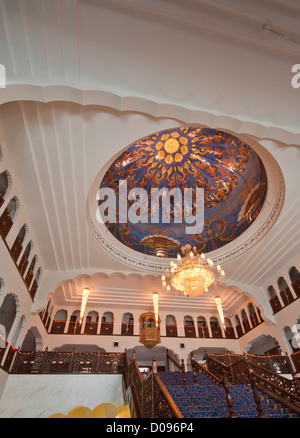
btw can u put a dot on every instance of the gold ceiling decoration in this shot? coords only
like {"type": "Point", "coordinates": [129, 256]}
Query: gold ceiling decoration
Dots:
{"type": "Point", "coordinates": [160, 244]}
{"type": "Point", "coordinates": [192, 274]}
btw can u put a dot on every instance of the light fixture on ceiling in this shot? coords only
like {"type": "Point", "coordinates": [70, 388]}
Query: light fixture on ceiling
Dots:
{"type": "Point", "coordinates": [155, 296]}
{"type": "Point", "coordinates": [220, 309]}
{"type": "Point", "coordinates": [85, 294]}
{"type": "Point", "coordinates": [192, 274]}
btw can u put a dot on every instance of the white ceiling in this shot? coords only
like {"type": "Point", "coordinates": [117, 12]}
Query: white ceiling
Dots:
{"type": "Point", "coordinates": [86, 78]}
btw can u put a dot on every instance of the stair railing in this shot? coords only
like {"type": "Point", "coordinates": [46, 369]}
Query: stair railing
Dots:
{"type": "Point", "coordinates": [146, 395]}
{"type": "Point", "coordinates": [223, 382]}
{"type": "Point", "coordinates": [181, 367]}
{"type": "Point", "coordinates": [245, 371]}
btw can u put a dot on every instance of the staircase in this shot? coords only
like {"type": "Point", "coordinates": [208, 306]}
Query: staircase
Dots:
{"type": "Point", "coordinates": [205, 399]}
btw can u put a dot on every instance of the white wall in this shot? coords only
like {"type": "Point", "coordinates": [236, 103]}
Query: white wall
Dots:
{"type": "Point", "coordinates": [39, 396]}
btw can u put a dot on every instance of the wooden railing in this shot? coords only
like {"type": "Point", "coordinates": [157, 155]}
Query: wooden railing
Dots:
{"type": "Point", "coordinates": [179, 366]}
{"type": "Point", "coordinates": [223, 383]}
{"type": "Point", "coordinates": [242, 369]}
{"type": "Point", "coordinates": [56, 362]}
{"type": "Point", "coordinates": [146, 395]}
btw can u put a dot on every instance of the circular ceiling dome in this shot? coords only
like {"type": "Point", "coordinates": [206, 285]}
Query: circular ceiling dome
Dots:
{"type": "Point", "coordinates": [229, 172]}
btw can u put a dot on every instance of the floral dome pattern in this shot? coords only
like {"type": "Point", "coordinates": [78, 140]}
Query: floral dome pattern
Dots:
{"type": "Point", "coordinates": [230, 172]}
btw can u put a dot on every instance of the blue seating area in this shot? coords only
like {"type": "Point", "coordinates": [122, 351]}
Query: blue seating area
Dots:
{"type": "Point", "coordinates": [205, 399]}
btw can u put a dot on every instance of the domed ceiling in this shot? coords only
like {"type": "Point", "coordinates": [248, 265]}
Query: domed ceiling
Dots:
{"type": "Point", "coordinates": [230, 172]}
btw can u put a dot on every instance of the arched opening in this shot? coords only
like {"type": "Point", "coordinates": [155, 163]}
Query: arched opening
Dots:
{"type": "Point", "coordinates": [238, 326]}
{"type": "Point", "coordinates": [91, 323]}
{"type": "Point", "coordinates": [229, 330]}
{"type": "Point", "coordinates": [8, 312]}
{"type": "Point", "coordinates": [252, 315]}
{"type": "Point", "coordinates": [127, 324]}
{"type": "Point", "coordinates": [202, 327]}
{"type": "Point", "coordinates": [4, 186]}
{"type": "Point", "coordinates": [35, 283]}
{"type": "Point", "coordinates": [245, 321]}
{"type": "Point", "coordinates": [295, 280]}
{"type": "Point", "coordinates": [171, 326]}
{"type": "Point", "coordinates": [215, 327]}
{"type": "Point", "coordinates": [74, 323]}
{"type": "Point", "coordinates": [24, 260]}
{"type": "Point", "coordinates": [18, 243]}
{"type": "Point", "coordinates": [29, 342]}
{"type": "Point", "coordinates": [107, 323]}
{"type": "Point", "coordinates": [285, 292]}
{"type": "Point", "coordinates": [199, 354]}
{"type": "Point", "coordinates": [59, 322]}
{"type": "Point", "coordinates": [29, 275]}
{"type": "Point", "coordinates": [274, 300]}
{"type": "Point", "coordinates": [8, 216]}
{"type": "Point", "coordinates": [262, 345]}
{"type": "Point", "coordinates": [144, 357]}
{"type": "Point", "coordinates": [189, 328]}
{"type": "Point", "coordinates": [289, 337]}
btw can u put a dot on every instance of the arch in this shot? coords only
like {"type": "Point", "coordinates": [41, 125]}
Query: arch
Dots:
{"type": "Point", "coordinates": [74, 323]}
{"type": "Point", "coordinates": [189, 327]}
{"type": "Point", "coordinates": [29, 275]}
{"type": "Point", "coordinates": [262, 345]}
{"type": "Point", "coordinates": [252, 315]}
{"type": "Point", "coordinates": [91, 323]}
{"type": "Point", "coordinates": [17, 245]}
{"type": "Point", "coordinates": [294, 274]}
{"type": "Point", "coordinates": [215, 327]}
{"type": "Point", "coordinates": [25, 257]}
{"type": "Point", "coordinates": [107, 323]}
{"type": "Point", "coordinates": [12, 207]}
{"type": "Point", "coordinates": [59, 321]}
{"type": "Point", "coordinates": [35, 283]}
{"type": "Point", "coordinates": [295, 280]}
{"type": "Point", "coordinates": [127, 325]}
{"type": "Point", "coordinates": [245, 321]}
{"type": "Point", "coordinates": [289, 338]}
{"type": "Point", "coordinates": [271, 292]}
{"type": "Point", "coordinates": [8, 216]}
{"type": "Point", "coordinates": [238, 326]}
{"type": "Point", "coordinates": [202, 327]}
{"type": "Point", "coordinates": [61, 315]}
{"type": "Point", "coordinates": [8, 312]}
{"type": "Point", "coordinates": [282, 284]}
{"type": "Point", "coordinates": [145, 356]}
{"type": "Point", "coordinates": [285, 292]}
{"type": "Point", "coordinates": [171, 326]}
{"type": "Point", "coordinates": [5, 185]}
{"type": "Point", "coordinates": [229, 330]}
{"type": "Point", "coordinates": [32, 340]}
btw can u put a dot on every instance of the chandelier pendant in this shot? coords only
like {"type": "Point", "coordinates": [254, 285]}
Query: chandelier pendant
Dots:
{"type": "Point", "coordinates": [192, 274]}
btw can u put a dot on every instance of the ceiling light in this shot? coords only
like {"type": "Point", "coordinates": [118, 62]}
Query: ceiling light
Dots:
{"type": "Point", "coordinates": [192, 274]}
{"type": "Point", "coordinates": [85, 294]}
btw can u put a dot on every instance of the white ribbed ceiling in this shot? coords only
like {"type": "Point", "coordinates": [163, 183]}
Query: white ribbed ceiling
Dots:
{"type": "Point", "coordinates": [87, 78]}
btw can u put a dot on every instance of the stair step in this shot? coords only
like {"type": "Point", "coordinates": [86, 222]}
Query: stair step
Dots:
{"type": "Point", "coordinates": [206, 399]}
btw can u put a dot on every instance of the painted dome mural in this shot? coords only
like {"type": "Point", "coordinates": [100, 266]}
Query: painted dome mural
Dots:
{"type": "Point", "coordinates": [230, 172]}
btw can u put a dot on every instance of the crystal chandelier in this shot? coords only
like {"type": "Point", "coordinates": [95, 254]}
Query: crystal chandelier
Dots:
{"type": "Point", "coordinates": [192, 274]}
